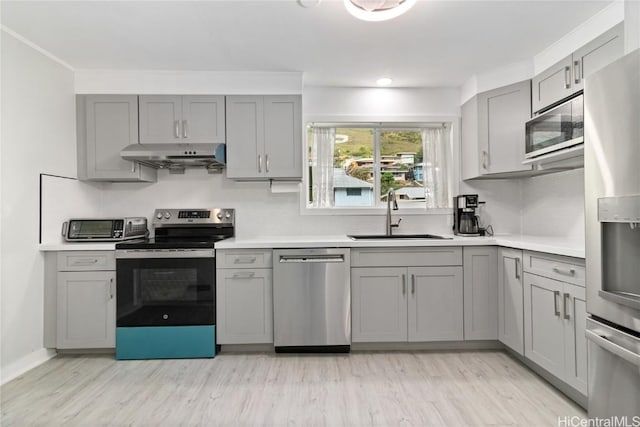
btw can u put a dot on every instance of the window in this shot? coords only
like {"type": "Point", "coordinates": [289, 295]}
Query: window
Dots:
{"type": "Point", "coordinates": [356, 165]}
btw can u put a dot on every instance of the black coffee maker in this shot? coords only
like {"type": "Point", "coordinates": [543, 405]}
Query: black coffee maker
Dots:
{"type": "Point", "coordinates": [465, 220]}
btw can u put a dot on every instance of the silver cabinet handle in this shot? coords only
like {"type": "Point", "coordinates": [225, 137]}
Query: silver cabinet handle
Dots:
{"type": "Point", "coordinates": [111, 288]}
{"type": "Point", "coordinates": [413, 284]}
{"type": "Point", "coordinates": [570, 272]}
{"type": "Point", "coordinates": [576, 72]}
{"type": "Point", "coordinates": [404, 284]}
{"type": "Point", "coordinates": [518, 268]}
{"type": "Point", "coordinates": [176, 128]}
{"type": "Point", "coordinates": [556, 309]}
{"type": "Point", "coordinates": [86, 261]}
{"type": "Point", "coordinates": [567, 77]}
{"type": "Point", "coordinates": [244, 260]}
{"type": "Point", "coordinates": [244, 275]}
{"type": "Point", "coordinates": [566, 298]}
{"type": "Point", "coordinates": [185, 129]}
{"type": "Point", "coordinates": [485, 158]}
{"type": "Point", "coordinates": [259, 163]}
{"type": "Point", "coordinates": [133, 167]}
{"type": "Point", "coordinates": [266, 161]}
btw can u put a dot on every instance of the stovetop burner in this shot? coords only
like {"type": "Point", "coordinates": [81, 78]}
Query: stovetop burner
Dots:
{"type": "Point", "coordinates": [186, 229]}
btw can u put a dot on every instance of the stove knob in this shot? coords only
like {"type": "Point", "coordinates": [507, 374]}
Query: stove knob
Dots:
{"type": "Point", "coordinates": [167, 215]}
{"type": "Point", "coordinates": [219, 215]}
{"type": "Point", "coordinates": [159, 215]}
{"type": "Point", "coordinates": [227, 215]}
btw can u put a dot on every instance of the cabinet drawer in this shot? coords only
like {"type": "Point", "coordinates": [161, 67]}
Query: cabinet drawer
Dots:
{"type": "Point", "coordinates": [406, 257]}
{"type": "Point", "coordinates": [86, 261]}
{"type": "Point", "coordinates": [565, 269]}
{"type": "Point", "coordinates": [243, 258]}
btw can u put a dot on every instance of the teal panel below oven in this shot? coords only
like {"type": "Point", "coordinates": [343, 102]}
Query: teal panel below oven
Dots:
{"type": "Point", "coordinates": [165, 342]}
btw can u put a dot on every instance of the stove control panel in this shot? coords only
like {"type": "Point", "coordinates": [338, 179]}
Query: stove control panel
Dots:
{"type": "Point", "coordinates": [210, 216]}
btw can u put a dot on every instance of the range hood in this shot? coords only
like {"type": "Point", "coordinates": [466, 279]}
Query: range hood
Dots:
{"type": "Point", "coordinates": [177, 157]}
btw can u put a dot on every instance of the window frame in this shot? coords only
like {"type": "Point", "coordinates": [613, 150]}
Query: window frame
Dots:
{"type": "Point", "coordinates": [381, 125]}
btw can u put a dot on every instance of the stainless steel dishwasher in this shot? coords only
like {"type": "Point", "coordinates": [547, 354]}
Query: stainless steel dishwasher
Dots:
{"type": "Point", "coordinates": [312, 300]}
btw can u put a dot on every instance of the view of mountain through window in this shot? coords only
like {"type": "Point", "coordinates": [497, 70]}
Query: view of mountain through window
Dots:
{"type": "Point", "coordinates": [357, 166]}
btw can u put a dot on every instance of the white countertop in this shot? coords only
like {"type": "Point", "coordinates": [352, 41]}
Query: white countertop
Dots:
{"type": "Point", "coordinates": [534, 243]}
{"type": "Point", "coordinates": [551, 245]}
{"type": "Point", "coordinates": [104, 246]}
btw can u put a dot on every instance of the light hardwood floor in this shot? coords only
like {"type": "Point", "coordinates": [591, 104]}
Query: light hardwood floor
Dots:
{"type": "Point", "coordinates": [382, 389]}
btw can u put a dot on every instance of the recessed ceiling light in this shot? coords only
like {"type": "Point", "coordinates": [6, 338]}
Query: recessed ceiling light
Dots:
{"type": "Point", "coordinates": [378, 10]}
{"type": "Point", "coordinates": [384, 81]}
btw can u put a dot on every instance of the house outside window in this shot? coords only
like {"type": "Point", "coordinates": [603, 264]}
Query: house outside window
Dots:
{"type": "Point", "coordinates": [355, 165]}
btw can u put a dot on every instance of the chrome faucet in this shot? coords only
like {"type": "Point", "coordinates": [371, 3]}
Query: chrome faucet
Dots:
{"type": "Point", "coordinates": [391, 197]}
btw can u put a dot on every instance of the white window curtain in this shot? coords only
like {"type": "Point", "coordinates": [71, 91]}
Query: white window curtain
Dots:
{"type": "Point", "coordinates": [322, 171]}
{"type": "Point", "coordinates": [437, 162]}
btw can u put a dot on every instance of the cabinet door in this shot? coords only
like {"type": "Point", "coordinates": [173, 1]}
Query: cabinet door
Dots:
{"type": "Point", "coordinates": [510, 299]}
{"type": "Point", "coordinates": [379, 304]}
{"type": "Point", "coordinates": [470, 152]}
{"type": "Point", "coordinates": [551, 85]}
{"type": "Point", "coordinates": [245, 137]}
{"type": "Point", "coordinates": [480, 293]}
{"type": "Point", "coordinates": [86, 309]}
{"type": "Point", "coordinates": [596, 54]}
{"type": "Point", "coordinates": [543, 323]}
{"type": "Point", "coordinates": [160, 118]}
{"type": "Point", "coordinates": [502, 114]}
{"type": "Point", "coordinates": [435, 304]}
{"type": "Point", "coordinates": [107, 124]}
{"type": "Point", "coordinates": [244, 304]}
{"type": "Point", "coordinates": [283, 136]}
{"type": "Point", "coordinates": [203, 119]}
{"type": "Point", "coordinates": [574, 312]}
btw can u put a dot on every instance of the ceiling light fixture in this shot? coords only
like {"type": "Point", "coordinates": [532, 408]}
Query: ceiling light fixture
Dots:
{"type": "Point", "coordinates": [378, 10]}
{"type": "Point", "coordinates": [384, 81]}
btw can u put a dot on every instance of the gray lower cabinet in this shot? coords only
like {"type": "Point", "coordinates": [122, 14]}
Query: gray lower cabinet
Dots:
{"type": "Point", "coordinates": [182, 119]}
{"type": "Point", "coordinates": [85, 300]}
{"type": "Point", "coordinates": [264, 137]}
{"type": "Point", "coordinates": [480, 292]}
{"type": "Point", "coordinates": [244, 297]}
{"type": "Point", "coordinates": [406, 294]}
{"type": "Point", "coordinates": [555, 318]}
{"type": "Point", "coordinates": [493, 132]}
{"type": "Point", "coordinates": [566, 77]}
{"type": "Point", "coordinates": [105, 125]}
{"type": "Point", "coordinates": [396, 304]}
{"type": "Point", "coordinates": [510, 299]}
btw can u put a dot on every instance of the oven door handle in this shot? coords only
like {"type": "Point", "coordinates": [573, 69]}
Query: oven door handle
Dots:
{"type": "Point", "coordinates": [605, 343]}
{"type": "Point", "coordinates": [164, 253]}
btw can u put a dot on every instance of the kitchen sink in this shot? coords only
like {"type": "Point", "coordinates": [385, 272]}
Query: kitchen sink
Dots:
{"type": "Point", "coordinates": [396, 236]}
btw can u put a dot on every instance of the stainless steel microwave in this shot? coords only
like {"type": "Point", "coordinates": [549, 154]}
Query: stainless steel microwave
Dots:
{"type": "Point", "coordinates": [555, 129]}
{"type": "Point", "coordinates": [104, 229]}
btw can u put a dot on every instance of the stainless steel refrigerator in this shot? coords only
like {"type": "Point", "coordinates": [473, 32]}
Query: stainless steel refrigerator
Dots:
{"type": "Point", "coordinates": [612, 217]}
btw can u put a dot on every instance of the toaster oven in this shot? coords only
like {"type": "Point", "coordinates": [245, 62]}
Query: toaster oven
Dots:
{"type": "Point", "coordinates": [104, 229]}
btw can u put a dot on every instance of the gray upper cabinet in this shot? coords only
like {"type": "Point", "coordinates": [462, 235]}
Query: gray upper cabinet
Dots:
{"type": "Point", "coordinates": [480, 293]}
{"type": "Point", "coordinates": [105, 125]}
{"type": "Point", "coordinates": [264, 137]}
{"type": "Point", "coordinates": [176, 118]}
{"type": "Point", "coordinates": [493, 125]}
{"type": "Point", "coordinates": [566, 77]}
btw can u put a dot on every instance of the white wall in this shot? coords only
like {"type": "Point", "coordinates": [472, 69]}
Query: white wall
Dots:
{"type": "Point", "coordinates": [38, 136]}
{"type": "Point", "coordinates": [631, 25]}
{"type": "Point", "coordinates": [553, 205]}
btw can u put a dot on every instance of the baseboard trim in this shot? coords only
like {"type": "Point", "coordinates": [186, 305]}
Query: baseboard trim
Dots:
{"type": "Point", "coordinates": [437, 346]}
{"type": "Point", "coordinates": [26, 363]}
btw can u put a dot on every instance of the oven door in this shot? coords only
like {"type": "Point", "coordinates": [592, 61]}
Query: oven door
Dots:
{"type": "Point", "coordinates": [560, 127]}
{"type": "Point", "coordinates": [165, 288]}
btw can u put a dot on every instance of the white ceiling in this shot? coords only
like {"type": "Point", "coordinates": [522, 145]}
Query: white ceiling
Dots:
{"type": "Point", "coordinates": [437, 43]}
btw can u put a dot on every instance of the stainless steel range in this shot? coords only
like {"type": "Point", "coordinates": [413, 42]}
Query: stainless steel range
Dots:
{"type": "Point", "coordinates": [166, 286]}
